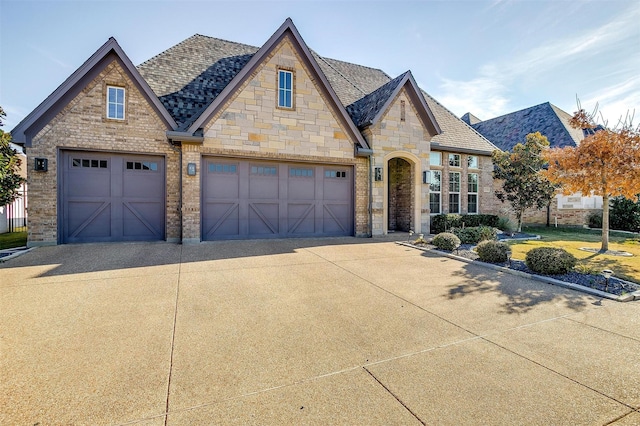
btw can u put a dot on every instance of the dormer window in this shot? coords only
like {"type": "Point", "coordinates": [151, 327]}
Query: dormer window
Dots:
{"type": "Point", "coordinates": [285, 89]}
{"type": "Point", "coordinates": [115, 103]}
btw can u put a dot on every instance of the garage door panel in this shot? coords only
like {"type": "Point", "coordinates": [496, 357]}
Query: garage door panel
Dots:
{"type": "Point", "coordinates": [264, 219]}
{"type": "Point", "coordinates": [112, 197]}
{"type": "Point", "coordinates": [302, 218]}
{"type": "Point", "coordinates": [337, 218]}
{"type": "Point", "coordinates": [140, 219]}
{"type": "Point", "coordinates": [223, 220]}
{"type": "Point", "coordinates": [277, 200]}
{"type": "Point", "coordinates": [86, 184]}
{"type": "Point", "coordinates": [85, 219]}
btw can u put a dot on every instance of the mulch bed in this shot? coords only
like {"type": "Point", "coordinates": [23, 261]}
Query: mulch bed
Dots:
{"type": "Point", "coordinates": [615, 286]}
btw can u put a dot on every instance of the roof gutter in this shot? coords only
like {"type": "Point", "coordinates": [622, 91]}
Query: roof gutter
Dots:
{"type": "Point", "coordinates": [363, 152]}
{"type": "Point", "coordinates": [436, 146]}
{"type": "Point", "coordinates": [175, 136]}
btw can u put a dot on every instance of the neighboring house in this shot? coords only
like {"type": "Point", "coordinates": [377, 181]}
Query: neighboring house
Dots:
{"type": "Point", "coordinates": [510, 129]}
{"type": "Point", "coordinates": [14, 215]}
{"type": "Point", "coordinates": [213, 139]}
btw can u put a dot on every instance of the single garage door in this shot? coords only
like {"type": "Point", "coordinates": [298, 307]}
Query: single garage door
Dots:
{"type": "Point", "coordinates": [252, 199]}
{"type": "Point", "coordinates": [112, 197]}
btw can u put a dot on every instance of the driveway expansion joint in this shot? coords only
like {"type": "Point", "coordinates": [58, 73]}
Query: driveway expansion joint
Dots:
{"type": "Point", "coordinates": [406, 407]}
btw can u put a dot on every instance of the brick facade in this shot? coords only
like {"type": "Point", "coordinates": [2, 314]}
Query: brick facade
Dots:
{"type": "Point", "coordinates": [82, 125]}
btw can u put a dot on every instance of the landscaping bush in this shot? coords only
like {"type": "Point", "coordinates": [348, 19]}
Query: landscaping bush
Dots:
{"type": "Point", "coordinates": [506, 225]}
{"type": "Point", "coordinates": [444, 222]}
{"type": "Point", "coordinates": [594, 220]}
{"type": "Point", "coordinates": [474, 234]}
{"type": "Point", "coordinates": [493, 251]}
{"type": "Point", "coordinates": [624, 215]}
{"type": "Point", "coordinates": [550, 260]}
{"type": "Point", "coordinates": [446, 241]}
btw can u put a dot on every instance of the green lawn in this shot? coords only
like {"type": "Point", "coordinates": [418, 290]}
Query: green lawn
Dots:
{"type": "Point", "coordinates": [13, 239]}
{"type": "Point", "coordinates": [572, 239]}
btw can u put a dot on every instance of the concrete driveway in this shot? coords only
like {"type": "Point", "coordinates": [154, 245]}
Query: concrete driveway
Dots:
{"type": "Point", "coordinates": [325, 331]}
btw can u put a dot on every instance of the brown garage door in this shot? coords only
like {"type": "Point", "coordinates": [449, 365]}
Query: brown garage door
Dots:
{"type": "Point", "coordinates": [252, 199]}
{"type": "Point", "coordinates": [111, 197]}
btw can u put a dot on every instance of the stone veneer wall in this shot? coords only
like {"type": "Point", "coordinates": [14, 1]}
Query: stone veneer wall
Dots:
{"type": "Point", "coordinates": [82, 124]}
{"type": "Point", "coordinates": [250, 125]}
{"type": "Point", "coordinates": [392, 138]}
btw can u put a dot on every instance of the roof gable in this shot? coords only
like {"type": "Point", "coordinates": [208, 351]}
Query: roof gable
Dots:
{"type": "Point", "coordinates": [190, 75]}
{"type": "Point", "coordinates": [370, 109]}
{"type": "Point", "coordinates": [74, 84]}
{"type": "Point", "coordinates": [508, 130]}
{"type": "Point", "coordinates": [287, 29]}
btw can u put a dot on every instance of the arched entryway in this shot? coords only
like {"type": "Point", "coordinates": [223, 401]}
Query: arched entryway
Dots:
{"type": "Point", "coordinates": [400, 195]}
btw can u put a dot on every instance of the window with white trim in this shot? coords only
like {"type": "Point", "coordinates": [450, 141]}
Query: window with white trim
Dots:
{"type": "Point", "coordinates": [472, 193]}
{"type": "Point", "coordinates": [472, 161]}
{"type": "Point", "coordinates": [285, 89]}
{"type": "Point", "coordinates": [454, 160]}
{"type": "Point", "coordinates": [435, 158]}
{"type": "Point", "coordinates": [454, 192]}
{"type": "Point", "coordinates": [435, 188]}
{"type": "Point", "coordinates": [115, 103]}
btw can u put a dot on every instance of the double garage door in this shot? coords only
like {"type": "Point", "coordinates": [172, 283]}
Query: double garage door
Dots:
{"type": "Point", "coordinates": [252, 199]}
{"type": "Point", "coordinates": [111, 197]}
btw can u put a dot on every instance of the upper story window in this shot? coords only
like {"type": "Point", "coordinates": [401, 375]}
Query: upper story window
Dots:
{"type": "Point", "coordinates": [454, 160]}
{"type": "Point", "coordinates": [435, 158]}
{"type": "Point", "coordinates": [472, 161]}
{"type": "Point", "coordinates": [285, 89]}
{"type": "Point", "coordinates": [115, 103]}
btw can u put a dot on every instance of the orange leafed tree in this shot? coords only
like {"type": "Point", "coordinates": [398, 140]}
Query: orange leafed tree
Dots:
{"type": "Point", "coordinates": [606, 163]}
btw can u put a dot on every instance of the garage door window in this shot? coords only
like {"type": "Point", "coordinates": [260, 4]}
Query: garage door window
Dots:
{"type": "Point", "coordinates": [149, 166]}
{"type": "Point", "coordinates": [300, 172]}
{"type": "Point", "coordinates": [264, 171]}
{"type": "Point", "coordinates": [335, 174]}
{"type": "Point", "coordinates": [85, 162]}
{"type": "Point", "coordinates": [222, 168]}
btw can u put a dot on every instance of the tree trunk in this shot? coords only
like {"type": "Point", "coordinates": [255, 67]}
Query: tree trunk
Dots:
{"type": "Point", "coordinates": [519, 215]}
{"type": "Point", "coordinates": [605, 223]}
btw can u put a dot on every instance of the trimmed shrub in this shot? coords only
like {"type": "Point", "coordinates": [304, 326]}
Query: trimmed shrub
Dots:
{"type": "Point", "coordinates": [444, 222]}
{"type": "Point", "coordinates": [550, 260]}
{"type": "Point", "coordinates": [474, 234]}
{"type": "Point", "coordinates": [446, 241]}
{"type": "Point", "coordinates": [594, 220]}
{"type": "Point", "coordinates": [493, 251]}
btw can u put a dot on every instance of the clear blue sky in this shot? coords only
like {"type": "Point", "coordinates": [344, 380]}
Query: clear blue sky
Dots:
{"type": "Point", "coordinates": [486, 57]}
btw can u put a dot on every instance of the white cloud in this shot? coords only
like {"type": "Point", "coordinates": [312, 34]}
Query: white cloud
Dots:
{"type": "Point", "coordinates": [486, 94]}
{"type": "Point", "coordinates": [48, 55]}
{"type": "Point", "coordinates": [483, 97]}
{"type": "Point", "coordinates": [616, 101]}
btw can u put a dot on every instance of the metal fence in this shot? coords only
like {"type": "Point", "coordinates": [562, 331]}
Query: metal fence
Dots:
{"type": "Point", "coordinates": [17, 212]}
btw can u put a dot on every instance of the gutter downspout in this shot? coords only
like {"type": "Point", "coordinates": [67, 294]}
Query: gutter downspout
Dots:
{"type": "Point", "coordinates": [363, 152]}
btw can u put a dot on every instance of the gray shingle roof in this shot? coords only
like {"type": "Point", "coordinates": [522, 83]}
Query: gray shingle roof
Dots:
{"type": "Point", "coordinates": [508, 130]}
{"type": "Point", "coordinates": [470, 119]}
{"type": "Point", "coordinates": [188, 76]}
{"type": "Point", "coordinates": [456, 134]}
{"type": "Point", "coordinates": [365, 109]}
